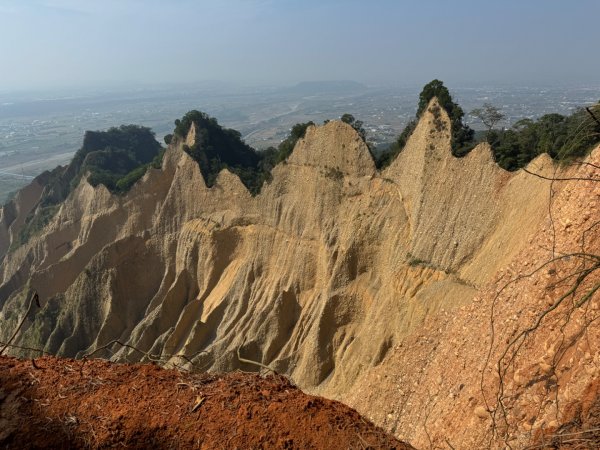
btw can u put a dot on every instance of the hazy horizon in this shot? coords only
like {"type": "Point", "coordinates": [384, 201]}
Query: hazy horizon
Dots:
{"type": "Point", "coordinates": [52, 44]}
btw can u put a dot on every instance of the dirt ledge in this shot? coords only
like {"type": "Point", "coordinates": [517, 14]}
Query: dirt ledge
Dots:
{"type": "Point", "coordinates": [64, 403]}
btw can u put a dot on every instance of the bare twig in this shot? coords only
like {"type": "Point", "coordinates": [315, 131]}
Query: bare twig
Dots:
{"type": "Point", "coordinates": [35, 299]}
{"type": "Point", "coordinates": [115, 341]}
{"type": "Point", "coordinates": [256, 363]}
{"type": "Point", "coordinates": [199, 401]}
{"type": "Point", "coordinates": [585, 163]}
{"type": "Point", "coordinates": [543, 177]}
{"type": "Point", "coordinates": [516, 343]}
{"type": "Point", "coordinates": [31, 349]}
{"type": "Point", "coordinates": [591, 113]}
{"type": "Point", "coordinates": [148, 355]}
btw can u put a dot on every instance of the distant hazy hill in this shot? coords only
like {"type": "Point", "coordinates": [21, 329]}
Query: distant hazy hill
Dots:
{"type": "Point", "coordinates": [317, 87]}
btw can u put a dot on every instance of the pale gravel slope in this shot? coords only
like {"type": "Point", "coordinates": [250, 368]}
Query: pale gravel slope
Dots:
{"type": "Point", "coordinates": [429, 388]}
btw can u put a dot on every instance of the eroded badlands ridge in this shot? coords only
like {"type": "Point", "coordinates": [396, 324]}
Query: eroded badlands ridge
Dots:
{"type": "Point", "coordinates": [318, 276]}
{"type": "Point", "coordinates": [332, 265]}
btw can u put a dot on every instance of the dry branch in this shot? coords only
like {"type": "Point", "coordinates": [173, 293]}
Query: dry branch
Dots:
{"type": "Point", "coordinates": [256, 363]}
{"type": "Point", "coordinates": [577, 278]}
{"type": "Point", "coordinates": [543, 177]}
{"type": "Point", "coordinates": [35, 299]}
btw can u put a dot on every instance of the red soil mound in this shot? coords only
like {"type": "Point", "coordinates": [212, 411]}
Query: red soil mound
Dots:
{"type": "Point", "coordinates": [61, 403]}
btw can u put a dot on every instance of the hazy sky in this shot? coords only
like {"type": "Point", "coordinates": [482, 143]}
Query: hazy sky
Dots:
{"type": "Point", "coordinates": [47, 43]}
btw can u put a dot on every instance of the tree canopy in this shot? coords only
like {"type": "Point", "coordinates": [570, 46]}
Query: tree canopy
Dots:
{"type": "Point", "coordinates": [217, 148]}
{"type": "Point", "coordinates": [461, 134]}
{"type": "Point", "coordinates": [108, 156]}
{"type": "Point", "coordinates": [562, 137]}
{"type": "Point", "coordinates": [114, 154]}
{"type": "Point", "coordinates": [356, 124]}
{"type": "Point", "coordinates": [489, 115]}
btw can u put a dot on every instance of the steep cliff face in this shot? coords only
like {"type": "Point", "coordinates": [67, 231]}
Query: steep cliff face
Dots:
{"type": "Point", "coordinates": [14, 214]}
{"type": "Point", "coordinates": [320, 275]}
{"type": "Point", "coordinates": [519, 361]}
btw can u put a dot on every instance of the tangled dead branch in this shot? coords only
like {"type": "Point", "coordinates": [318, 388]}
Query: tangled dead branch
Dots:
{"type": "Point", "coordinates": [579, 287]}
{"type": "Point", "coordinates": [159, 359]}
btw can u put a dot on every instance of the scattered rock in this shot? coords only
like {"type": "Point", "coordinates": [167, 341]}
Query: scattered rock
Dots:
{"type": "Point", "coordinates": [481, 412]}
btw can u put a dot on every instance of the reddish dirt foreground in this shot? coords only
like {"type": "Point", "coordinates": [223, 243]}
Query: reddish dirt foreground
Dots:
{"type": "Point", "coordinates": [62, 403]}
